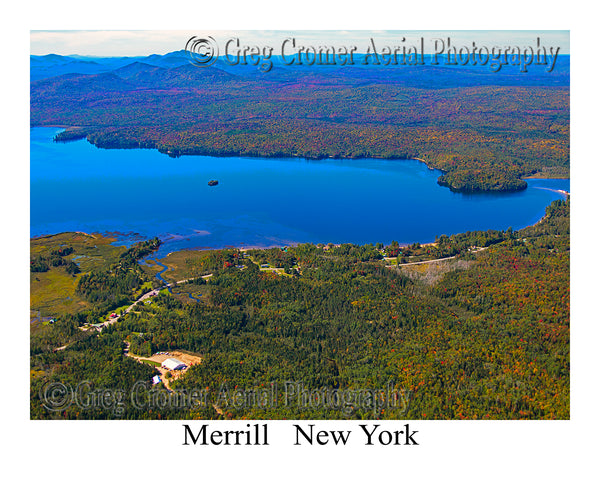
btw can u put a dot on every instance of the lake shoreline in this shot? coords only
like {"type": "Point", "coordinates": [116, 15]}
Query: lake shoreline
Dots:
{"type": "Point", "coordinates": [76, 133]}
{"type": "Point", "coordinates": [116, 236]}
{"type": "Point", "coordinates": [261, 202]}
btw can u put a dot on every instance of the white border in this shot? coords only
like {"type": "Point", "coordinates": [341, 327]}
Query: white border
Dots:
{"type": "Point", "coordinates": [504, 449]}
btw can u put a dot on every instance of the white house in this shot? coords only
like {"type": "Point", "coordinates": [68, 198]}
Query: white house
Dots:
{"type": "Point", "coordinates": [173, 364]}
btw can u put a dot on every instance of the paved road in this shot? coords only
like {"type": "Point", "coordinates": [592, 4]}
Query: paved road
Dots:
{"type": "Point", "coordinates": [143, 298]}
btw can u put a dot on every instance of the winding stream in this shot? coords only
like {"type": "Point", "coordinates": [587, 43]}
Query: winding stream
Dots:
{"type": "Point", "coordinates": [160, 277]}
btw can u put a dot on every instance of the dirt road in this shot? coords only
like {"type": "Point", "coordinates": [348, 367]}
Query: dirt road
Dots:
{"type": "Point", "coordinates": [186, 358]}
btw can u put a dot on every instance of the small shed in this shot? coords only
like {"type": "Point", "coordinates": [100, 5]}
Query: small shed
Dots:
{"type": "Point", "coordinates": [173, 364]}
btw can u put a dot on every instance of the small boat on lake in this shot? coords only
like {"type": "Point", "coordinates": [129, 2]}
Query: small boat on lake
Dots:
{"type": "Point", "coordinates": [212, 183]}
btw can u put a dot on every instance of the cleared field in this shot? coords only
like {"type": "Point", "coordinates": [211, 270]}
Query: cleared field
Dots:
{"type": "Point", "coordinates": [431, 273]}
{"type": "Point", "coordinates": [156, 360]}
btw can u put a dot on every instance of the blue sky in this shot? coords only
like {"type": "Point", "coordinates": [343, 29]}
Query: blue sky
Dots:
{"type": "Point", "coordinates": [145, 42]}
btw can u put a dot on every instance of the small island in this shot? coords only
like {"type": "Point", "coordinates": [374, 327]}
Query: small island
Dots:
{"type": "Point", "coordinates": [212, 183]}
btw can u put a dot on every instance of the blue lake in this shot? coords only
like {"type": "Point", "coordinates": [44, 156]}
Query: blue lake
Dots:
{"type": "Point", "coordinates": [258, 202]}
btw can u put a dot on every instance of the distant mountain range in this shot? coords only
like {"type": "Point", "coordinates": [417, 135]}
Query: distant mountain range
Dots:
{"type": "Point", "coordinates": [484, 129]}
{"type": "Point", "coordinates": [174, 69]}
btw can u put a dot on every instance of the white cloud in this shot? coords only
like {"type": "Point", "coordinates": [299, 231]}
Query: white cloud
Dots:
{"type": "Point", "coordinates": [145, 42]}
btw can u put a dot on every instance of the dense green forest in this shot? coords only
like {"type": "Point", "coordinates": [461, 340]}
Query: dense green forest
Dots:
{"type": "Point", "coordinates": [488, 338]}
{"type": "Point", "coordinates": [483, 137]}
